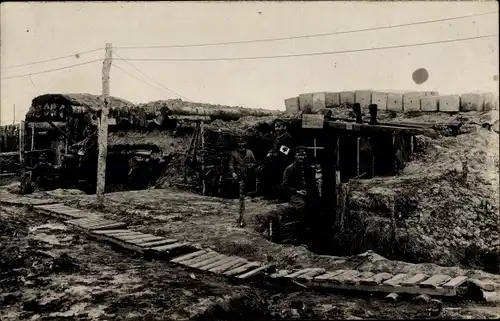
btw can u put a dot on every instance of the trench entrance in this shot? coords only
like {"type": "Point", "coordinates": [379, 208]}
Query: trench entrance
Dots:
{"type": "Point", "coordinates": [385, 221]}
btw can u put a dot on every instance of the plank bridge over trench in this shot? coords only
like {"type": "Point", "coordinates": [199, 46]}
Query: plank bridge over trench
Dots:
{"type": "Point", "coordinates": [193, 257]}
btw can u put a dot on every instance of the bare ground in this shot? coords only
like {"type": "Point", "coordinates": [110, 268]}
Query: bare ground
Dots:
{"type": "Point", "coordinates": [50, 273]}
{"type": "Point", "coordinates": [211, 222]}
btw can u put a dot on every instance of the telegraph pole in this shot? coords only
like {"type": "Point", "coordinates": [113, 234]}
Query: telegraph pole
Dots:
{"type": "Point", "coordinates": [103, 126]}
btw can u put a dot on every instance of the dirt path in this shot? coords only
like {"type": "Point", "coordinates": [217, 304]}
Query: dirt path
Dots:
{"type": "Point", "coordinates": [50, 273]}
{"type": "Point", "coordinates": [210, 222]}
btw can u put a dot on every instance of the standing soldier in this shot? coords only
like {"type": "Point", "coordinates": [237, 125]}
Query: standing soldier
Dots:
{"type": "Point", "coordinates": [278, 158]}
{"type": "Point", "coordinates": [241, 166]}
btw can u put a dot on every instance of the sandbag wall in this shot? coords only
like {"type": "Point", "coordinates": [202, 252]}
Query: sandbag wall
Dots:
{"type": "Point", "coordinates": [421, 101]}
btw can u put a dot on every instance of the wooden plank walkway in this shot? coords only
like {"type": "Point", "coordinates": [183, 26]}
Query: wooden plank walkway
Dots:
{"type": "Point", "coordinates": [185, 254]}
{"type": "Point", "coordinates": [25, 201]}
{"type": "Point", "coordinates": [438, 285]}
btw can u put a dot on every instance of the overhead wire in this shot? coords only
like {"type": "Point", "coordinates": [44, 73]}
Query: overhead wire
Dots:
{"type": "Point", "coordinates": [150, 78]}
{"type": "Point", "coordinates": [51, 70]}
{"type": "Point", "coordinates": [137, 78]}
{"type": "Point", "coordinates": [307, 36]}
{"type": "Point", "coordinates": [51, 59]}
{"type": "Point", "coordinates": [311, 53]}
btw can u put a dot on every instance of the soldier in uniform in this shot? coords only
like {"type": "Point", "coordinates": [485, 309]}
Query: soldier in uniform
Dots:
{"type": "Point", "coordinates": [301, 191]}
{"type": "Point", "coordinates": [242, 165]}
{"type": "Point", "coordinates": [242, 162]}
{"type": "Point", "coordinates": [44, 173]}
{"type": "Point", "coordinates": [278, 158]}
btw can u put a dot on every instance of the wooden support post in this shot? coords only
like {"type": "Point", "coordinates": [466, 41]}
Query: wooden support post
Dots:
{"type": "Point", "coordinates": [32, 147]}
{"type": "Point", "coordinates": [21, 143]}
{"type": "Point", "coordinates": [103, 127]}
{"type": "Point", "coordinates": [357, 155]}
{"type": "Point", "coordinates": [329, 173]}
{"type": "Point", "coordinates": [203, 182]}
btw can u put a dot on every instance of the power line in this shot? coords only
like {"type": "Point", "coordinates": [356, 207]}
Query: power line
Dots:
{"type": "Point", "coordinates": [139, 79]}
{"type": "Point", "coordinates": [143, 73]}
{"type": "Point", "coordinates": [308, 36]}
{"type": "Point", "coordinates": [51, 59]}
{"type": "Point", "coordinates": [50, 70]}
{"type": "Point", "coordinates": [308, 54]}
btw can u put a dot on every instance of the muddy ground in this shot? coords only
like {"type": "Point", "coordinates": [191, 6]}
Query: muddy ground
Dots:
{"type": "Point", "coordinates": [50, 273]}
{"type": "Point", "coordinates": [211, 222]}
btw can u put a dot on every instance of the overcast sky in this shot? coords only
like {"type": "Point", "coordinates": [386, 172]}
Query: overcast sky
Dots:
{"type": "Point", "coordinates": [40, 31]}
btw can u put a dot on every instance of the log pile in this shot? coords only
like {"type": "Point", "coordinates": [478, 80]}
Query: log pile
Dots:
{"type": "Point", "coordinates": [155, 114]}
{"type": "Point", "coordinates": [9, 138]}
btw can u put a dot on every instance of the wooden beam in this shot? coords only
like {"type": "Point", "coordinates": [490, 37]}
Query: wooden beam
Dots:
{"type": "Point", "coordinates": [368, 129]}
{"type": "Point", "coordinates": [103, 127]}
{"type": "Point", "coordinates": [329, 174]}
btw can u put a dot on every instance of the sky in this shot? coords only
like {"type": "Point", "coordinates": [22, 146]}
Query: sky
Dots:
{"type": "Point", "coordinates": [31, 32]}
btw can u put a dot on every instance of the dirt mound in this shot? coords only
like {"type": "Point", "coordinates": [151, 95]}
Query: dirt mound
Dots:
{"type": "Point", "coordinates": [442, 208]}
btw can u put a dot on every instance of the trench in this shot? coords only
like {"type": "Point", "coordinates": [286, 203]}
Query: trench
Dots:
{"type": "Point", "coordinates": [363, 230]}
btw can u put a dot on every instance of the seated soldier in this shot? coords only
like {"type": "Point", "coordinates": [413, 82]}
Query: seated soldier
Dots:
{"type": "Point", "coordinates": [242, 164]}
{"type": "Point", "coordinates": [43, 173]}
{"type": "Point", "coordinates": [299, 186]}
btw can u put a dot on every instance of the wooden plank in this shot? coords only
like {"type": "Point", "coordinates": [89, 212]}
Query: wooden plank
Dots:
{"type": "Point", "coordinates": [201, 258]}
{"type": "Point", "coordinates": [209, 260]}
{"type": "Point", "coordinates": [217, 263]}
{"type": "Point", "coordinates": [107, 226]}
{"type": "Point", "coordinates": [359, 277]}
{"type": "Point", "coordinates": [311, 274]}
{"type": "Point", "coordinates": [299, 272]}
{"type": "Point", "coordinates": [146, 240]}
{"type": "Point", "coordinates": [111, 232]}
{"type": "Point", "coordinates": [24, 201]}
{"type": "Point", "coordinates": [328, 275]}
{"type": "Point", "coordinates": [483, 285]}
{"type": "Point", "coordinates": [435, 281]}
{"type": "Point", "coordinates": [255, 271]}
{"type": "Point", "coordinates": [188, 256]}
{"type": "Point", "coordinates": [114, 241]}
{"type": "Point", "coordinates": [158, 243]}
{"type": "Point", "coordinates": [132, 237]}
{"type": "Point", "coordinates": [91, 221]}
{"type": "Point", "coordinates": [238, 261]}
{"type": "Point", "coordinates": [52, 206]}
{"type": "Point", "coordinates": [396, 280]}
{"type": "Point", "coordinates": [61, 208]}
{"type": "Point", "coordinates": [91, 218]}
{"type": "Point", "coordinates": [72, 212]}
{"type": "Point", "coordinates": [73, 215]}
{"type": "Point", "coordinates": [382, 288]}
{"type": "Point", "coordinates": [455, 282]}
{"type": "Point", "coordinates": [92, 225]}
{"type": "Point", "coordinates": [169, 247]}
{"type": "Point", "coordinates": [347, 275]}
{"type": "Point", "coordinates": [242, 269]}
{"type": "Point", "coordinates": [96, 223]}
{"type": "Point", "coordinates": [76, 221]}
{"type": "Point", "coordinates": [376, 279]}
{"type": "Point", "coordinates": [125, 232]}
{"type": "Point", "coordinates": [414, 280]}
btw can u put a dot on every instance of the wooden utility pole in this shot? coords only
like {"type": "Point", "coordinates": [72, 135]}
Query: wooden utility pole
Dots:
{"type": "Point", "coordinates": [103, 127]}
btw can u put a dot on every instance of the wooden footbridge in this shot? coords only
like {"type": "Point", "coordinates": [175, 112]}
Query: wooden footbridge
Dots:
{"type": "Point", "coordinates": [186, 254]}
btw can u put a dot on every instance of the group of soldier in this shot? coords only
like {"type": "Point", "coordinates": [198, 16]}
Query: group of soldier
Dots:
{"type": "Point", "coordinates": [285, 171]}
